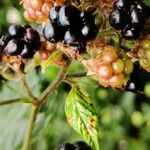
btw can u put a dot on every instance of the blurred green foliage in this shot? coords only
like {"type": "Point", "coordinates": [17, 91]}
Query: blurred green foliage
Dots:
{"type": "Point", "coordinates": [124, 116]}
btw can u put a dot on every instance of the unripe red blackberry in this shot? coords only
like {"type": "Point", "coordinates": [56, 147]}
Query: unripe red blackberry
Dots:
{"type": "Point", "coordinates": [112, 67]}
{"type": "Point", "coordinates": [144, 54]}
{"type": "Point", "coordinates": [38, 10]}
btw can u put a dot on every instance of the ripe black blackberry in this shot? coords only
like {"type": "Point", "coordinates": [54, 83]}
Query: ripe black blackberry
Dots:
{"type": "Point", "coordinates": [70, 25]}
{"type": "Point", "coordinates": [129, 17]}
{"type": "Point", "coordinates": [22, 40]}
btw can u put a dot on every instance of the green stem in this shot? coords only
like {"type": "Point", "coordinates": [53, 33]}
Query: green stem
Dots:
{"type": "Point", "coordinates": [11, 101]}
{"type": "Point", "coordinates": [26, 88]}
{"type": "Point", "coordinates": [29, 130]}
{"type": "Point", "coordinates": [52, 86]}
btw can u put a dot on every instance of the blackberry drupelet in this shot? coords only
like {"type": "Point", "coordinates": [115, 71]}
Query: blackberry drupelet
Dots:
{"type": "Point", "coordinates": [53, 32]}
{"type": "Point", "coordinates": [69, 16]}
{"type": "Point", "coordinates": [14, 47]}
{"type": "Point", "coordinates": [118, 19]}
{"type": "Point", "coordinates": [54, 13]}
{"type": "Point", "coordinates": [16, 31]}
{"type": "Point", "coordinates": [130, 32]}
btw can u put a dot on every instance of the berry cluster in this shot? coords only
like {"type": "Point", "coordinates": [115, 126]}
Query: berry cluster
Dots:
{"type": "Point", "coordinates": [69, 24]}
{"type": "Point", "coordinates": [111, 66]}
{"type": "Point", "coordinates": [21, 40]}
{"type": "Point", "coordinates": [129, 16]}
{"type": "Point", "coordinates": [80, 145]}
{"type": "Point", "coordinates": [37, 10]}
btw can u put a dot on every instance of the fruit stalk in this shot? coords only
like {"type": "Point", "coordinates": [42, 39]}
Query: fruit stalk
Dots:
{"type": "Point", "coordinates": [29, 130]}
{"type": "Point", "coordinates": [26, 88]}
{"type": "Point", "coordinates": [12, 101]}
{"type": "Point", "coordinates": [52, 86]}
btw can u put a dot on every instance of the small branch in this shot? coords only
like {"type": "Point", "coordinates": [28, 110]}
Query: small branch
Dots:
{"type": "Point", "coordinates": [11, 101]}
{"type": "Point", "coordinates": [76, 75]}
{"type": "Point", "coordinates": [26, 88]}
{"type": "Point", "coordinates": [29, 130]}
{"type": "Point", "coordinates": [52, 86]}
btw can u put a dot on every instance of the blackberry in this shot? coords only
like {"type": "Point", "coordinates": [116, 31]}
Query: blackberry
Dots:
{"type": "Point", "coordinates": [14, 47]}
{"type": "Point", "coordinates": [16, 31]}
{"type": "Point", "coordinates": [118, 19]}
{"type": "Point", "coordinates": [129, 17]}
{"type": "Point", "coordinates": [27, 51]}
{"type": "Point", "coordinates": [31, 35]}
{"type": "Point", "coordinates": [53, 32]}
{"type": "Point", "coordinates": [67, 146]}
{"type": "Point", "coordinates": [69, 16]}
{"type": "Point", "coordinates": [54, 13]}
{"type": "Point", "coordinates": [131, 32]}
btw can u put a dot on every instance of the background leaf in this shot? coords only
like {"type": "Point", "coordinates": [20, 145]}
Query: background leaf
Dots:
{"type": "Point", "coordinates": [147, 2]}
{"type": "Point", "coordinates": [81, 115]}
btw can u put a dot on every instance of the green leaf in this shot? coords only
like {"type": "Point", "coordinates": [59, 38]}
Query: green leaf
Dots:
{"type": "Point", "coordinates": [81, 115]}
{"type": "Point", "coordinates": [147, 2]}
{"type": "Point", "coordinates": [50, 60]}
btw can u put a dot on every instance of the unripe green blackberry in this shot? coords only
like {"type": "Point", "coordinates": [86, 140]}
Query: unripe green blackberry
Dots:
{"type": "Point", "coordinates": [144, 54]}
{"type": "Point", "coordinates": [112, 67]}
